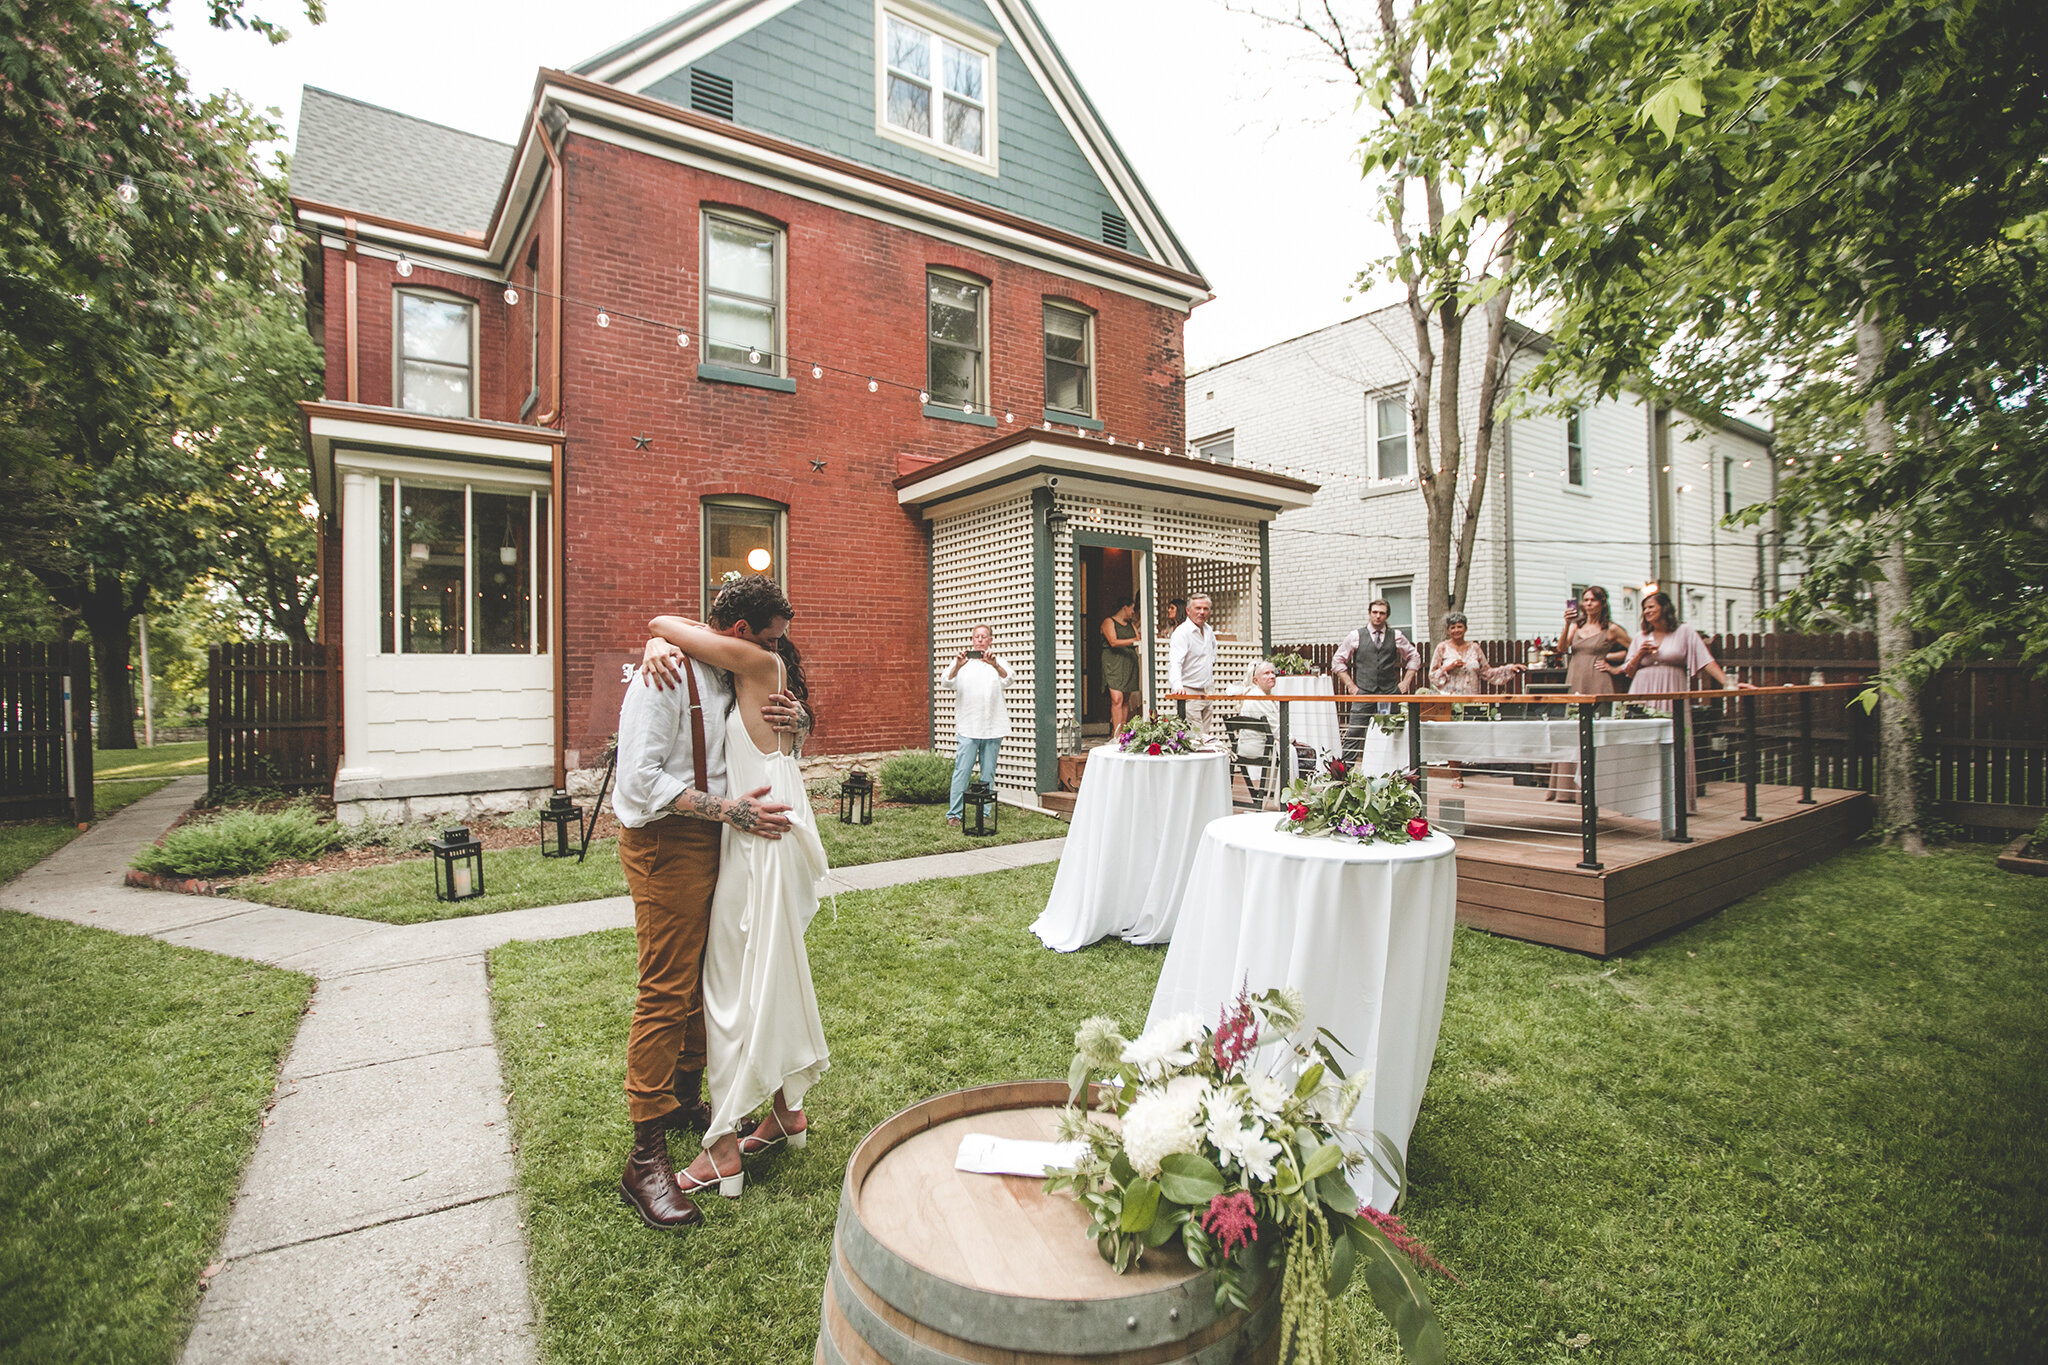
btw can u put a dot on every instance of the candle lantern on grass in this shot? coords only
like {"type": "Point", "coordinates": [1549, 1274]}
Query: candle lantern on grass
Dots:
{"type": "Point", "coordinates": [458, 865]}
{"type": "Point", "coordinates": [978, 807]}
{"type": "Point", "coordinates": [561, 826]}
{"type": "Point", "coordinates": [857, 799]}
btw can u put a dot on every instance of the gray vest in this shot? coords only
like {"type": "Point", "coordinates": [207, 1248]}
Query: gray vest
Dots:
{"type": "Point", "coordinates": [1376, 668]}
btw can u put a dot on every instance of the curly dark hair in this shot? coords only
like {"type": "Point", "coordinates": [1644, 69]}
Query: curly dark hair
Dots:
{"type": "Point", "coordinates": [756, 599]}
{"type": "Point", "coordinates": [796, 683]}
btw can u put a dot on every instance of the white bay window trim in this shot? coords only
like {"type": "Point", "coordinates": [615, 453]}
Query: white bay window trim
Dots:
{"type": "Point", "coordinates": [940, 30]}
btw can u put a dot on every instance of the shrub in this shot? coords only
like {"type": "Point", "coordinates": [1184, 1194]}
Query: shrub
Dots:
{"type": "Point", "coordinates": [920, 777]}
{"type": "Point", "coordinates": [239, 843]}
{"type": "Point", "coordinates": [396, 835]}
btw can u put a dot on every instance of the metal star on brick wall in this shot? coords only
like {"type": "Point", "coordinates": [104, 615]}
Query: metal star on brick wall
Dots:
{"type": "Point", "coordinates": [817, 466]}
{"type": "Point", "coordinates": [643, 443]}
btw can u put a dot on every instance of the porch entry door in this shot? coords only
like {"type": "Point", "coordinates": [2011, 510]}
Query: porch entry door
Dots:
{"type": "Point", "coordinates": [1107, 569]}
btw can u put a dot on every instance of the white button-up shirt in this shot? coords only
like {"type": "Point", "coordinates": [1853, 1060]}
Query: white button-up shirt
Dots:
{"type": "Point", "coordinates": [978, 709]}
{"type": "Point", "coordinates": [1191, 658]}
{"type": "Point", "coordinates": [655, 756]}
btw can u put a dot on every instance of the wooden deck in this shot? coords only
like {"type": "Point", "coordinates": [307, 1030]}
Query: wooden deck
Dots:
{"type": "Point", "coordinates": [1518, 870]}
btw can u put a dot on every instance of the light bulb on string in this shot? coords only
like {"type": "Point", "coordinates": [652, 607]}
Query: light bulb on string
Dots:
{"type": "Point", "coordinates": [683, 340]}
{"type": "Point", "coordinates": [126, 191]}
{"type": "Point", "coordinates": [753, 357]}
{"type": "Point", "coordinates": [923, 397]}
{"type": "Point", "coordinates": [817, 372]}
{"type": "Point", "coordinates": [1141, 445]}
{"type": "Point", "coordinates": [872, 386]}
{"type": "Point", "coordinates": [511, 296]}
{"type": "Point", "coordinates": [277, 231]}
{"type": "Point", "coordinates": [404, 266]}
{"type": "Point", "coordinates": [1010, 418]}
{"type": "Point", "coordinates": [1745, 463]}
{"type": "Point", "coordinates": [604, 319]}
{"type": "Point", "coordinates": [967, 408]}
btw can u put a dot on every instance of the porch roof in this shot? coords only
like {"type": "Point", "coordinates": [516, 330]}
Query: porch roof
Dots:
{"type": "Point", "coordinates": [1030, 458]}
{"type": "Point", "coordinates": [397, 433]}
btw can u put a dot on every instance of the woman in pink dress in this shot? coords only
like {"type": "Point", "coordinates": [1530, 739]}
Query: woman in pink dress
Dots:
{"type": "Point", "coordinates": [1664, 658]}
{"type": "Point", "coordinates": [1591, 640]}
{"type": "Point", "coordinates": [1458, 666]}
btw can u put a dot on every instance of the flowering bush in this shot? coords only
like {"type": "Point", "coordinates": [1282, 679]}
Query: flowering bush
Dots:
{"type": "Point", "coordinates": [1244, 1166]}
{"type": "Point", "coordinates": [1292, 666]}
{"type": "Point", "coordinates": [1344, 804]}
{"type": "Point", "coordinates": [1159, 735]}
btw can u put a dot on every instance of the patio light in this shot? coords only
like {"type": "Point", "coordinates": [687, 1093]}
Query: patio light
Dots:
{"type": "Point", "coordinates": [458, 865]}
{"type": "Point", "coordinates": [857, 799]}
{"type": "Point", "coordinates": [559, 815]}
{"type": "Point", "coordinates": [978, 807]}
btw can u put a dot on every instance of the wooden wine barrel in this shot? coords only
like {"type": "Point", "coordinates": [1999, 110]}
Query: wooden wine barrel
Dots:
{"type": "Point", "coordinates": [933, 1266]}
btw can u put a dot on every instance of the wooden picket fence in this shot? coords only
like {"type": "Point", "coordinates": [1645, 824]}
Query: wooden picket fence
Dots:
{"type": "Point", "coordinates": [40, 776]}
{"type": "Point", "coordinates": [275, 715]}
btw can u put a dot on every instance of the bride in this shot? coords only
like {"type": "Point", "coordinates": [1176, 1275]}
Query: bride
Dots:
{"type": "Point", "coordinates": [763, 1036]}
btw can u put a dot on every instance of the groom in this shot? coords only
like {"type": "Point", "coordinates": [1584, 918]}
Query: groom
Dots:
{"type": "Point", "coordinates": [670, 799]}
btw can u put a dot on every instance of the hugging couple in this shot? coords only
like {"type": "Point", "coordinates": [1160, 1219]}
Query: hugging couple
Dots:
{"type": "Point", "coordinates": [723, 886]}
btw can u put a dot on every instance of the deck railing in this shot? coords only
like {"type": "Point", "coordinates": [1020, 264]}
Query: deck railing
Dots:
{"type": "Point", "coordinates": [1636, 779]}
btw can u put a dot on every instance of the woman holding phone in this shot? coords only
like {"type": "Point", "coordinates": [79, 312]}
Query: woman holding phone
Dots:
{"type": "Point", "coordinates": [1594, 650]}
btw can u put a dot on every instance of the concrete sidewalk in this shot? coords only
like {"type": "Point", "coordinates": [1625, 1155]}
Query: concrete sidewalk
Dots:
{"type": "Point", "coordinates": [378, 1218]}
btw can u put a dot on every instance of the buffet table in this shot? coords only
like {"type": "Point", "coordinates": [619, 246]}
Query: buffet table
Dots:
{"type": "Point", "coordinates": [1314, 723]}
{"type": "Point", "coordinates": [1363, 931]}
{"type": "Point", "coordinates": [1137, 821]}
{"type": "Point", "coordinates": [1631, 761]}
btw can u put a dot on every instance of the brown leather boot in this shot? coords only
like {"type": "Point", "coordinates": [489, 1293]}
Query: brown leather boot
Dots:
{"type": "Point", "coordinates": [649, 1185]}
{"type": "Point", "coordinates": [691, 1114]}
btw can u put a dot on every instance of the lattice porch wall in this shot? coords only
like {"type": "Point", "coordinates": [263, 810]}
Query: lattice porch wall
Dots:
{"type": "Point", "coordinates": [981, 571]}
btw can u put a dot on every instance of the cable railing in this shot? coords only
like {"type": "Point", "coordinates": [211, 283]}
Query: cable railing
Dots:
{"type": "Point", "coordinates": [1544, 772]}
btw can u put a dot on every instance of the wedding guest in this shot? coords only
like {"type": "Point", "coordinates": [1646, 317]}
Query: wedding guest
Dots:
{"type": "Point", "coordinates": [1595, 648]}
{"type": "Point", "coordinates": [1176, 612]}
{"type": "Point", "coordinates": [1120, 672]}
{"type": "Point", "coordinates": [1458, 666]}
{"type": "Point", "coordinates": [1664, 658]}
{"type": "Point", "coordinates": [1257, 689]}
{"type": "Point", "coordinates": [980, 719]}
{"type": "Point", "coordinates": [1374, 660]}
{"type": "Point", "coordinates": [1191, 660]}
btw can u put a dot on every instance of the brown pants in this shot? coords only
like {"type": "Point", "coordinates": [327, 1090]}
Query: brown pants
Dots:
{"type": "Point", "coordinates": [671, 869]}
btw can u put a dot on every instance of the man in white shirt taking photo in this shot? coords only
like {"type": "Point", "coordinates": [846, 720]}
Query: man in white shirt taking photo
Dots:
{"type": "Point", "coordinates": [1191, 660]}
{"type": "Point", "coordinates": [980, 719]}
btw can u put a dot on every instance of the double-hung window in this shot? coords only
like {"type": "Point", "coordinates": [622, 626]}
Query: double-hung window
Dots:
{"type": "Point", "coordinates": [1575, 447]}
{"type": "Point", "coordinates": [937, 85]}
{"type": "Point", "coordinates": [956, 340]}
{"type": "Point", "coordinates": [1069, 360]}
{"type": "Point", "coordinates": [436, 354]}
{"type": "Point", "coordinates": [1390, 438]}
{"type": "Point", "coordinates": [743, 280]}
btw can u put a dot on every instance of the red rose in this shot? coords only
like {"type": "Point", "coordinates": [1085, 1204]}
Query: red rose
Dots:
{"type": "Point", "coordinates": [1418, 828]}
{"type": "Point", "coordinates": [1338, 767]}
{"type": "Point", "coordinates": [1152, 749]}
{"type": "Point", "coordinates": [1297, 812]}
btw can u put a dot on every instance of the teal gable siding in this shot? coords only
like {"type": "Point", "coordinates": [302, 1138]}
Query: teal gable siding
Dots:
{"type": "Point", "coordinates": [808, 75]}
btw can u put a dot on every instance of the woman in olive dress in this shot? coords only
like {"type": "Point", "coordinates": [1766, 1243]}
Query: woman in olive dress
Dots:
{"type": "Point", "coordinates": [1120, 672]}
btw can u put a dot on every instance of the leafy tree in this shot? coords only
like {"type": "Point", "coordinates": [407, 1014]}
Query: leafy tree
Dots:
{"type": "Point", "coordinates": [125, 204]}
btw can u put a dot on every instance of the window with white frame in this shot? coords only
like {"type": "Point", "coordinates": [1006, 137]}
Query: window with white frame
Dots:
{"type": "Point", "coordinates": [956, 340]}
{"type": "Point", "coordinates": [436, 354]}
{"type": "Point", "coordinates": [937, 84]}
{"type": "Point", "coordinates": [1390, 438]}
{"type": "Point", "coordinates": [1727, 486]}
{"type": "Point", "coordinates": [1219, 449]}
{"type": "Point", "coordinates": [1069, 359]}
{"type": "Point", "coordinates": [463, 568]}
{"type": "Point", "coordinates": [1400, 596]}
{"type": "Point", "coordinates": [743, 278]}
{"type": "Point", "coordinates": [741, 535]}
{"type": "Point", "coordinates": [1575, 447]}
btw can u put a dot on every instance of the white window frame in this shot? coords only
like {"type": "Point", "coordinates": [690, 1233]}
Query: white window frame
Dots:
{"type": "Point", "coordinates": [398, 297]}
{"type": "Point", "coordinates": [1403, 583]}
{"type": "Point", "coordinates": [1575, 441]}
{"type": "Point", "coordinates": [1207, 444]}
{"type": "Point", "coordinates": [962, 34]}
{"type": "Point", "coordinates": [537, 584]}
{"type": "Point", "coordinates": [1376, 436]}
{"type": "Point", "coordinates": [984, 381]}
{"type": "Point", "coordinates": [1087, 317]}
{"type": "Point", "coordinates": [778, 362]}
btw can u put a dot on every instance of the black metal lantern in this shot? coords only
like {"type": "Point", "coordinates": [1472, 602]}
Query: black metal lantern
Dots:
{"type": "Point", "coordinates": [458, 865]}
{"type": "Point", "coordinates": [561, 826]}
{"type": "Point", "coordinates": [857, 799]}
{"type": "Point", "coordinates": [978, 807]}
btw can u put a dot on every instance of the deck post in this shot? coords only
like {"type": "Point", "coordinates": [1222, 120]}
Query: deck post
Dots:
{"type": "Point", "coordinates": [1681, 771]}
{"type": "Point", "coordinates": [1589, 807]}
{"type": "Point", "coordinates": [1415, 752]}
{"type": "Point", "coordinates": [1749, 757]}
{"type": "Point", "coordinates": [1181, 708]}
{"type": "Point", "coordinates": [1806, 748]}
{"type": "Point", "coordinates": [1285, 756]}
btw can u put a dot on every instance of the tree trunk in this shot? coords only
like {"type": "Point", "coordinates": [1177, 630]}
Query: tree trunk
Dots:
{"type": "Point", "coordinates": [107, 619]}
{"type": "Point", "coordinates": [1898, 713]}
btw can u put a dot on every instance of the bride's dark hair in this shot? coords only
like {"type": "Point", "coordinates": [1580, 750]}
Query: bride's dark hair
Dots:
{"type": "Point", "coordinates": [797, 685]}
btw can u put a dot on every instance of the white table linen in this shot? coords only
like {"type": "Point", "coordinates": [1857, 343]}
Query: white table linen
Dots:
{"type": "Point", "coordinates": [1363, 931]}
{"type": "Point", "coordinates": [1137, 821]}
{"type": "Point", "coordinates": [1312, 722]}
{"type": "Point", "coordinates": [1631, 759]}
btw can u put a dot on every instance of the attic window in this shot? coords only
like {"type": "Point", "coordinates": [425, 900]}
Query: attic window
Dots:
{"type": "Point", "coordinates": [1115, 230]}
{"type": "Point", "coordinates": [710, 94]}
{"type": "Point", "coordinates": [935, 83]}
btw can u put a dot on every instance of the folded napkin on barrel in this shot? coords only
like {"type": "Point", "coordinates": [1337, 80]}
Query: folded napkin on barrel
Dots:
{"type": "Point", "coordinates": [986, 1154]}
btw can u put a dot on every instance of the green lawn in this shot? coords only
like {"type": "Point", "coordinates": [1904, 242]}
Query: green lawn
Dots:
{"type": "Point", "coordinates": [132, 1078]}
{"type": "Point", "coordinates": [403, 892]}
{"type": "Point", "coordinates": [1810, 1128]}
{"type": "Point", "coordinates": [165, 760]}
{"type": "Point", "coordinates": [24, 845]}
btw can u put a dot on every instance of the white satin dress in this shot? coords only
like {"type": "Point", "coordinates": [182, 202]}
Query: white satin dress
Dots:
{"type": "Point", "coordinates": [760, 1013]}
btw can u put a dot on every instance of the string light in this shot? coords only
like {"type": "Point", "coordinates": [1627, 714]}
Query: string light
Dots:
{"type": "Point", "coordinates": [753, 357]}
{"type": "Point", "coordinates": [922, 396]}
{"type": "Point", "coordinates": [277, 231]}
{"type": "Point", "coordinates": [126, 191]}
{"type": "Point", "coordinates": [604, 319]}
{"type": "Point", "coordinates": [872, 386]}
{"type": "Point", "coordinates": [1009, 418]}
{"type": "Point", "coordinates": [683, 340]}
{"type": "Point", "coordinates": [511, 296]}
{"type": "Point", "coordinates": [404, 265]}
{"type": "Point", "coordinates": [817, 372]}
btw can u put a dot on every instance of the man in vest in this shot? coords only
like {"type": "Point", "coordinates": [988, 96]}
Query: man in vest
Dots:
{"type": "Point", "coordinates": [1374, 660]}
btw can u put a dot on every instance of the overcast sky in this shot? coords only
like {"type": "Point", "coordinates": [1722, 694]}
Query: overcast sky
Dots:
{"type": "Point", "coordinates": [1243, 138]}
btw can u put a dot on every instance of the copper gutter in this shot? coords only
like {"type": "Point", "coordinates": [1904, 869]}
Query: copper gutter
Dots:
{"type": "Point", "coordinates": [558, 530]}
{"type": "Point", "coordinates": [348, 307]}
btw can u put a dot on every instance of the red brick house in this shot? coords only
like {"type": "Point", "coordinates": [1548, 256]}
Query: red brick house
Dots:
{"type": "Point", "coordinates": [858, 292]}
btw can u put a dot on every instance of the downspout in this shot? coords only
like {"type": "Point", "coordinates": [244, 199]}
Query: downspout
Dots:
{"type": "Point", "coordinates": [348, 308]}
{"type": "Point", "coordinates": [1507, 522]}
{"type": "Point", "coordinates": [558, 575]}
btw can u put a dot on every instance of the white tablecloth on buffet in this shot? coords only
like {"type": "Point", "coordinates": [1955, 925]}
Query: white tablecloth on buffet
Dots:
{"type": "Point", "coordinates": [1312, 722]}
{"type": "Point", "coordinates": [1137, 820]}
{"type": "Point", "coordinates": [1363, 931]}
{"type": "Point", "coordinates": [1631, 760]}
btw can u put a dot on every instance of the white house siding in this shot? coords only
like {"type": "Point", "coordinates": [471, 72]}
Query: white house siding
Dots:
{"type": "Point", "coordinates": [1715, 571]}
{"type": "Point", "coordinates": [1304, 407]}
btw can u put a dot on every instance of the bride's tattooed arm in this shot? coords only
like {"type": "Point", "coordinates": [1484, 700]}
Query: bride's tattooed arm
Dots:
{"type": "Point", "coordinates": [750, 814]}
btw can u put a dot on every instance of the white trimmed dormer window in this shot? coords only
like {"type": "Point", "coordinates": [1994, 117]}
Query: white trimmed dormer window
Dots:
{"type": "Point", "coordinates": [936, 83]}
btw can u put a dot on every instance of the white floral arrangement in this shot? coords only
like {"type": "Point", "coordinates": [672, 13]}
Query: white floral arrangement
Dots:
{"type": "Point", "coordinates": [1199, 1136]}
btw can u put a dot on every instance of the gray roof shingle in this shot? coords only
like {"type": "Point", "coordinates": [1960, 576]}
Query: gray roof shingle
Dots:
{"type": "Point", "coordinates": [359, 156]}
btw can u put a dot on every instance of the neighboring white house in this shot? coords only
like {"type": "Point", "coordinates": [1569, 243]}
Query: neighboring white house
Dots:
{"type": "Point", "coordinates": [1617, 493]}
